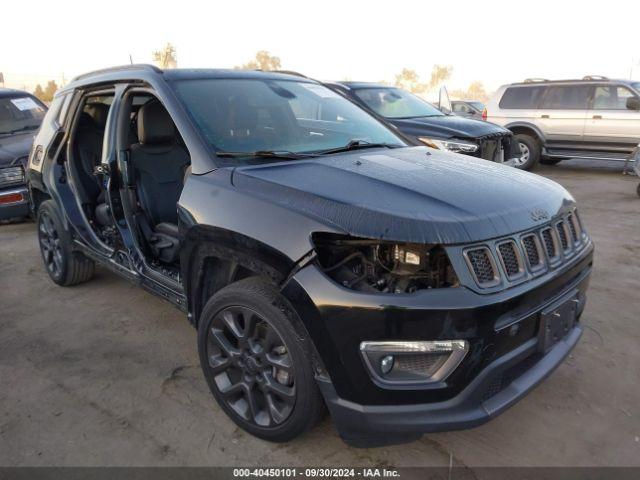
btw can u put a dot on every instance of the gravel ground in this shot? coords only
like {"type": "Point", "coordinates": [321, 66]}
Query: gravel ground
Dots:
{"type": "Point", "coordinates": [107, 374]}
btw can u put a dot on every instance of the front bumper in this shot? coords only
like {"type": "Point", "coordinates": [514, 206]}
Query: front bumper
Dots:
{"type": "Point", "coordinates": [14, 202]}
{"type": "Point", "coordinates": [499, 369]}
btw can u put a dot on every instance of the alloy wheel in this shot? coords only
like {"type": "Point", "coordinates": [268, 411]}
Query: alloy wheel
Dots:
{"type": "Point", "coordinates": [524, 158]}
{"type": "Point", "coordinates": [251, 366]}
{"type": "Point", "coordinates": [50, 244]}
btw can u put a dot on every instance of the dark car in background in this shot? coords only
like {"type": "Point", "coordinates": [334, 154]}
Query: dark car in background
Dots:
{"type": "Point", "coordinates": [323, 260]}
{"type": "Point", "coordinates": [467, 108]}
{"type": "Point", "coordinates": [424, 124]}
{"type": "Point", "coordinates": [20, 116]}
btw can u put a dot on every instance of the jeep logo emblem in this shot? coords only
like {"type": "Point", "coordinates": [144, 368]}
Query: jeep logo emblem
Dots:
{"type": "Point", "coordinates": [539, 214]}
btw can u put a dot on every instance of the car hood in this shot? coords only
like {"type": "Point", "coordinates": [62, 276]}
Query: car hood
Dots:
{"type": "Point", "coordinates": [447, 126]}
{"type": "Point", "coordinates": [408, 194]}
{"type": "Point", "coordinates": [14, 147]}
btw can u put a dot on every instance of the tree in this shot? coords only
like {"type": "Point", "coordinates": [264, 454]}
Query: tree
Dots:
{"type": "Point", "coordinates": [39, 92]}
{"type": "Point", "coordinates": [263, 61]}
{"type": "Point", "coordinates": [410, 80]}
{"type": "Point", "coordinates": [50, 90]}
{"type": "Point", "coordinates": [166, 58]}
{"type": "Point", "coordinates": [439, 74]}
{"type": "Point", "coordinates": [475, 91]}
{"type": "Point", "coordinates": [46, 94]}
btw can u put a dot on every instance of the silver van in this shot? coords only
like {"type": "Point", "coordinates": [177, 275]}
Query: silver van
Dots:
{"type": "Point", "coordinates": [592, 118]}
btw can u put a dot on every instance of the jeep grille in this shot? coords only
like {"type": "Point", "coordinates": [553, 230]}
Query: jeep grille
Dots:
{"type": "Point", "coordinates": [526, 255]}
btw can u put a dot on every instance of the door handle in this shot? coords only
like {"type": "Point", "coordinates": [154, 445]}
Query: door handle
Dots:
{"type": "Point", "coordinates": [597, 117]}
{"type": "Point", "coordinates": [544, 116]}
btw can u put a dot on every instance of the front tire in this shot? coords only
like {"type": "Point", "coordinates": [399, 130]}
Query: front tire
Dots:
{"type": "Point", "coordinates": [530, 149]}
{"type": "Point", "coordinates": [256, 363]}
{"type": "Point", "coordinates": [65, 266]}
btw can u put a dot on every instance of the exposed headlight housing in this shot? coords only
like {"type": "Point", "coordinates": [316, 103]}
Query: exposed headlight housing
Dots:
{"type": "Point", "coordinates": [404, 363]}
{"type": "Point", "coordinates": [371, 265]}
{"type": "Point", "coordinates": [457, 146]}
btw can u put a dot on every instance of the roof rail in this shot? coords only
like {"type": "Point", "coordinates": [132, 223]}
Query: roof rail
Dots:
{"type": "Point", "coordinates": [595, 77]}
{"type": "Point", "coordinates": [135, 66]}
{"type": "Point", "coordinates": [533, 80]}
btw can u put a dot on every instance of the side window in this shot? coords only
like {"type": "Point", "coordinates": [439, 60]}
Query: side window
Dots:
{"type": "Point", "coordinates": [610, 97]}
{"type": "Point", "coordinates": [64, 108]}
{"type": "Point", "coordinates": [460, 107]}
{"type": "Point", "coordinates": [521, 97]}
{"type": "Point", "coordinates": [567, 97]}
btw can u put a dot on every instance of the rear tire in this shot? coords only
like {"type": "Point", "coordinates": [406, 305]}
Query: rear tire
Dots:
{"type": "Point", "coordinates": [65, 266]}
{"type": "Point", "coordinates": [257, 364]}
{"type": "Point", "coordinates": [530, 148]}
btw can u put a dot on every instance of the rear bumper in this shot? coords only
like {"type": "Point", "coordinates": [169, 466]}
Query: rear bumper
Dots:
{"type": "Point", "coordinates": [10, 208]}
{"type": "Point", "coordinates": [366, 426]}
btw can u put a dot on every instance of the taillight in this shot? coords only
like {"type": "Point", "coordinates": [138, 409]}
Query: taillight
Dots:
{"type": "Point", "coordinates": [484, 114]}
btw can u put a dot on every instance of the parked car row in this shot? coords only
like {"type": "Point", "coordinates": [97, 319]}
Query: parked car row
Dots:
{"type": "Point", "coordinates": [20, 117]}
{"type": "Point", "coordinates": [326, 255]}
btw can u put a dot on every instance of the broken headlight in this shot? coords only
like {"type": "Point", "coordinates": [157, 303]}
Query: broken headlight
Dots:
{"type": "Point", "coordinates": [380, 266]}
{"type": "Point", "coordinates": [457, 146]}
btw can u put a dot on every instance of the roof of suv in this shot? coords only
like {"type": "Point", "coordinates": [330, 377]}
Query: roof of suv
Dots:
{"type": "Point", "coordinates": [357, 85]}
{"type": "Point", "coordinates": [588, 79]}
{"type": "Point", "coordinates": [144, 72]}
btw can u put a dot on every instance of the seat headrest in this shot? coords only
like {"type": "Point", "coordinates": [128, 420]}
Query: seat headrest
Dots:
{"type": "Point", "coordinates": [99, 113]}
{"type": "Point", "coordinates": [155, 125]}
{"type": "Point", "coordinates": [86, 121]}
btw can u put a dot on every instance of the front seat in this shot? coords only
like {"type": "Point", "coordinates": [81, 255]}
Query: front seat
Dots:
{"type": "Point", "coordinates": [159, 164]}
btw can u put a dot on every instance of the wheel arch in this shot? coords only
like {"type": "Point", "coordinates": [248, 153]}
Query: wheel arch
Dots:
{"type": "Point", "coordinates": [528, 129]}
{"type": "Point", "coordinates": [214, 257]}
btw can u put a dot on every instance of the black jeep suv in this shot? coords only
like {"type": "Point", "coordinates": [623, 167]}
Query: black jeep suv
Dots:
{"type": "Point", "coordinates": [322, 260]}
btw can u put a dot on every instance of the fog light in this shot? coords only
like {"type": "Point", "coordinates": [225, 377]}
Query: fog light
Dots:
{"type": "Point", "coordinates": [386, 364]}
{"type": "Point", "coordinates": [412, 362]}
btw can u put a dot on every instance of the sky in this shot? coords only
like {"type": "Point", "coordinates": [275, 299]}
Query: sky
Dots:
{"type": "Point", "coordinates": [495, 42]}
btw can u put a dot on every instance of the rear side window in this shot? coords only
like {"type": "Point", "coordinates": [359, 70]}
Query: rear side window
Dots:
{"type": "Point", "coordinates": [567, 97]}
{"type": "Point", "coordinates": [611, 97]}
{"type": "Point", "coordinates": [521, 97]}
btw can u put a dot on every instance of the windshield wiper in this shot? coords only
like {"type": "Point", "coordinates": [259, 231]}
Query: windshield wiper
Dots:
{"type": "Point", "coordinates": [356, 145]}
{"type": "Point", "coordinates": [284, 154]}
{"type": "Point", "coordinates": [21, 129]}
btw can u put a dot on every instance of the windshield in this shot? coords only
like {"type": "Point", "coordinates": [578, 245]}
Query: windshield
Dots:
{"type": "Point", "coordinates": [20, 114]}
{"type": "Point", "coordinates": [260, 115]}
{"type": "Point", "coordinates": [636, 85]}
{"type": "Point", "coordinates": [396, 103]}
{"type": "Point", "coordinates": [477, 105]}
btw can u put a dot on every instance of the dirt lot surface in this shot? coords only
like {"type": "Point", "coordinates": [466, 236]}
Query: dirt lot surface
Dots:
{"type": "Point", "coordinates": [107, 374]}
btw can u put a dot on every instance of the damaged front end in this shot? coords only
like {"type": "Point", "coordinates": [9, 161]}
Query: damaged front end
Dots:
{"type": "Point", "coordinates": [377, 266]}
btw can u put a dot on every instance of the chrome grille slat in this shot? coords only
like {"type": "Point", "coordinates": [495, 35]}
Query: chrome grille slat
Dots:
{"type": "Point", "coordinates": [11, 176]}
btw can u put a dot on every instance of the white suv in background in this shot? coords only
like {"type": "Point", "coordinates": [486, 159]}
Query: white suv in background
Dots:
{"type": "Point", "coordinates": [593, 118]}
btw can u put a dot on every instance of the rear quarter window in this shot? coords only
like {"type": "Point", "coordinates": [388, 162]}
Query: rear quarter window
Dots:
{"type": "Point", "coordinates": [521, 97]}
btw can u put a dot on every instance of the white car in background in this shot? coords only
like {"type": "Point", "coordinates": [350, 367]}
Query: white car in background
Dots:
{"type": "Point", "coordinates": [591, 118]}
